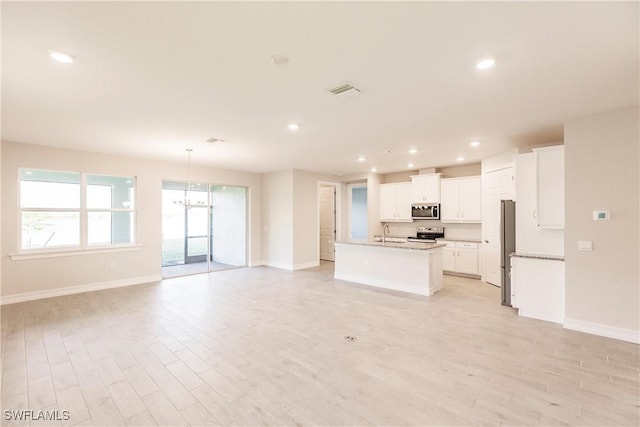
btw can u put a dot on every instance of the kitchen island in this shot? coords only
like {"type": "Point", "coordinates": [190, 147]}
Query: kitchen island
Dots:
{"type": "Point", "coordinates": [412, 267]}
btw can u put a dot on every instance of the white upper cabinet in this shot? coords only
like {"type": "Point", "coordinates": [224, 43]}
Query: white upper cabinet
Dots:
{"type": "Point", "coordinates": [461, 199]}
{"type": "Point", "coordinates": [449, 200]}
{"type": "Point", "coordinates": [470, 199]}
{"type": "Point", "coordinates": [395, 202]}
{"type": "Point", "coordinates": [426, 188]}
{"type": "Point", "coordinates": [550, 183]}
{"type": "Point", "coordinates": [530, 237]}
{"type": "Point", "coordinates": [387, 202]}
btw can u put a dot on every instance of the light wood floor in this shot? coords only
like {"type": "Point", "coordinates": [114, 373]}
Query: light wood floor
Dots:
{"type": "Point", "coordinates": [262, 346]}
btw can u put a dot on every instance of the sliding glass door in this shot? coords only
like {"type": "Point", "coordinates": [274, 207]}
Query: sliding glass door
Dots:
{"type": "Point", "coordinates": [203, 228]}
{"type": "Point", "coordinates": [228, 226]}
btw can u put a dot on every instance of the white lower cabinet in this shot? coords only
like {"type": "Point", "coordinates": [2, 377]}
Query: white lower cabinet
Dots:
{"type": "Point", "coordinates": [460, 257]}
{"type": "Point", "coordinates": [537, 288]}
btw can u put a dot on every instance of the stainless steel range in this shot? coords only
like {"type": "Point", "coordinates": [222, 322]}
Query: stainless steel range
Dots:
{"type": "Point", "coordinates": [427, 234]}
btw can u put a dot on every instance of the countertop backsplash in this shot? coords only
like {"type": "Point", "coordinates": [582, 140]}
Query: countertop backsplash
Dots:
{"type": "Point", "coordinates": [452, 231]}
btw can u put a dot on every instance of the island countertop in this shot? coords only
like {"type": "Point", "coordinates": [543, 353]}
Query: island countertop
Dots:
{"type": "Point", "coordinates": [414, 267]}
{"type": "Point", "coordinates": [416, 246]}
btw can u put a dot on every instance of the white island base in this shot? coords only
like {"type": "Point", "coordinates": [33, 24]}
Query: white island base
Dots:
{"type": "Point", "coordinates": [408, 267]}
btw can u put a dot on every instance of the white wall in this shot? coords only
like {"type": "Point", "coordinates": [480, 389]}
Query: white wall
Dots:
{"type": "Point", "coordinates": [473, 169]}
{"type": "Point", "coordinates": [373, 204]}
{"type": "Point", "coordinates": [391, 178]}
{"type": "Point", "coordinates": [229, 224]}
{"type": "Point", "coordinates": [1, 253]}
{"type": "Point", "coordinates": [306, 232]}
{"type": "Point", "coordinates": [290, 218]}
{"type": "Point", "coordinates": [277, 219]}
{"type": "Point", "coordinates": [37, 275]}
{"type": "Point", "coordinates": [601, 173]}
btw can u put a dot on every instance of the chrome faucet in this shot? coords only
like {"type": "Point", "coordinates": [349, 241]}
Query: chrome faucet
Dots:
{"type": "Point", "coordinates": [385, 231]}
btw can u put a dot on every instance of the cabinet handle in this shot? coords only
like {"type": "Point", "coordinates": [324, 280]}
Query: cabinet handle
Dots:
{"type": "Point", "coordinates": [462, 215]}
{"type": "Point", "coordinates": [535, 212]}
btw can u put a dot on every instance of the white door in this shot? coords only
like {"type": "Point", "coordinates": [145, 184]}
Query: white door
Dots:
{"type": "Point", "coordinates": [498, 185]}
{"type": "Point", "coordinates": [327, 223]}
{"type": "Point", "coordinates": [449, 259]}
{"type": "Point", "coordinates": [467, 261]}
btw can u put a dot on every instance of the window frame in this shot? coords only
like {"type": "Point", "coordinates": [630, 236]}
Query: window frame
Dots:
{"type": "Point", "coordinates": [83, 247]}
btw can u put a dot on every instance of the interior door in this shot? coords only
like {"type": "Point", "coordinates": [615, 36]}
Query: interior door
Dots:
{"type": "Point", "coordinates": [327, 223]}
{"type": "Point", "coordinates": [498, 185]}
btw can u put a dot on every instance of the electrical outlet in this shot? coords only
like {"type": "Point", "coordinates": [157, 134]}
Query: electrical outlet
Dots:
{"type": "Point", "coordinates": [585, 245]}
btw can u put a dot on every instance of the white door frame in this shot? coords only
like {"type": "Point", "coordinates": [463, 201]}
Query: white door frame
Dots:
{"type": "Point", "coordinates": [338, 187]}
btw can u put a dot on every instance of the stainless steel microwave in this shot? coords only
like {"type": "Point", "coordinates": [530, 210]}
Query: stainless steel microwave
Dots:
{"type": "Point", "coordinates": [425, 211]}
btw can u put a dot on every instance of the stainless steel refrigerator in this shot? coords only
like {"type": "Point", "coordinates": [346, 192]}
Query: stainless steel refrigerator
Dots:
{"type": "Point", "coordinates": [507, 246]}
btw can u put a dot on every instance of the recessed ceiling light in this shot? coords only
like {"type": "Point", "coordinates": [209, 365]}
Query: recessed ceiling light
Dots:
{"type": "Point", "coordinates": [474, 143]}
{"type": "Point", "coordinates": [413, 151]}
{"type": "Point", "coordinates": [485, 63]}
{"type": "Point", "coordinates": [460, 158]}
{"type": "Point", "coordinates": [361, 159]}
{"type": "Point", "coordinates": [293, 127]}
{"type": "Point", "coordinates": [374, 169]}
{"type": "Point", "coordinates": [279, 60]}
{"type": "Point", "coordinates": [60, 56]}
{"type": "Point", "coordinates": [410, 165]}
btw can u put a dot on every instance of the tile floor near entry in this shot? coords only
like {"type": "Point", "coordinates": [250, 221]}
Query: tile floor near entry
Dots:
{"type": "Point", "coordinates": [261, 346]}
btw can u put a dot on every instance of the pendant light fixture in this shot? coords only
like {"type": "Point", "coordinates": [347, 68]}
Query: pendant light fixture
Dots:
{"type": "Point", "coordinates": [187, 201]}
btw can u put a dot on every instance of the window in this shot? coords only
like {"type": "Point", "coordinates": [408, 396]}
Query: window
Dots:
{"type": "Point", "coordinates": [75, 210]}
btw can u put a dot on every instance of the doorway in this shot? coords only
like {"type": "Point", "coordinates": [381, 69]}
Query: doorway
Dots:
{"type": "Point", "coordinates": [203, 228]}
{"type": "Point", "coordinates": [358, 212]}
{"type": "Point", "coordinates": [327, 207]}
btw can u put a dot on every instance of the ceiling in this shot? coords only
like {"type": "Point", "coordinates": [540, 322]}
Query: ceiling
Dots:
{"type": "Point", "coordinates": [152, 79]}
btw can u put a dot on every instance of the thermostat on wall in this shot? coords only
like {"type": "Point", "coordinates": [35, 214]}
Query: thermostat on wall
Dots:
{"type": "Point", "coordinates": [601, 215]}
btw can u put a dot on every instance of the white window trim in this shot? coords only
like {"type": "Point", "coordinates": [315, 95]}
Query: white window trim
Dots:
{"type": "Point", "coordinates": [72, 251]}
{"type": "Point", "coordinates": [84, 248]}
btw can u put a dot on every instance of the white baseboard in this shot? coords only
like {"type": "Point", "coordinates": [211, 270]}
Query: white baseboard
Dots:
{"type": "Point", "coordinates": [98, 286]}
{"type": "Point", "coordinates": [306, 265]}
{"type": "Point", "coordinates": [256, 263]}
{"type": "Point", "coordinates": [382, 283]}
{"type": "Point", "coordinates": [603, 330]}
{"type": "Point", "coordinates": [279, 265]}
{"type": "Point", "coordinates": [291, 267]}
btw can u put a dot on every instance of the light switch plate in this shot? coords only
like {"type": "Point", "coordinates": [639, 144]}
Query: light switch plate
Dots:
{"type": "Point", "coordinates": [601, 215]}
{"type": "Point", "coordinates": [585, 245]}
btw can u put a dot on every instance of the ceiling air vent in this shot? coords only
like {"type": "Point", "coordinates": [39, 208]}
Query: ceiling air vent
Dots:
{"type": "Point", "coordinates": [343, 88]}
{"type": "Point", "coordinates": [214, 140]}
